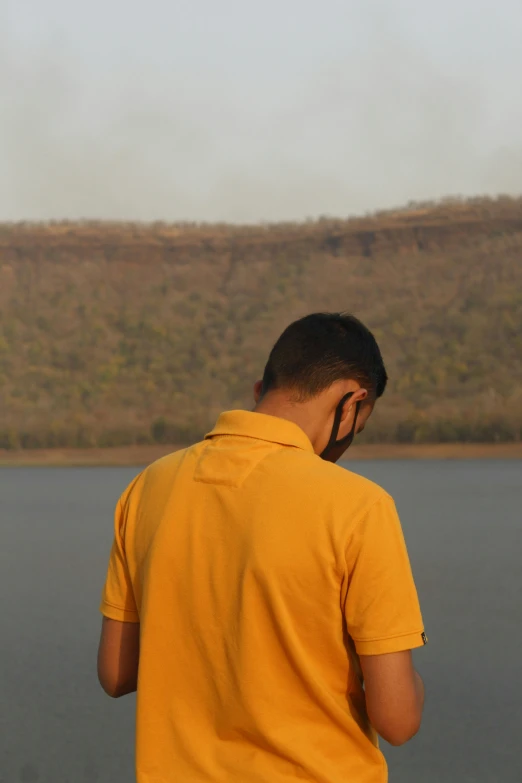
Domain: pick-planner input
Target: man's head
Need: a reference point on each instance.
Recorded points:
(316, 363)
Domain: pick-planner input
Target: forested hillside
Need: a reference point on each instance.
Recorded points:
(114, 334)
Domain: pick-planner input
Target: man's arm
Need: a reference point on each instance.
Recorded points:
(384, 621)
(394, 695)
(118, 657)
(118, 651)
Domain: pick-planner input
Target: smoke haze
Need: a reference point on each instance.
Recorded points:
(244, 112)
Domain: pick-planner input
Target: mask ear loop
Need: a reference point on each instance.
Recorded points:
(333, 442)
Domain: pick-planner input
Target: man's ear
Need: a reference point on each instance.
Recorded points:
(349, 406)
(258, 387)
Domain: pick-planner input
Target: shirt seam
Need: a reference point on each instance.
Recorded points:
(367, 510)
(388, 638)
(120, 608)
(341, 573)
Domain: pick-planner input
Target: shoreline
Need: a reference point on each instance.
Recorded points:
(140, 456)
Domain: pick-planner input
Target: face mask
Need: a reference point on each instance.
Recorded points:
(335, 448)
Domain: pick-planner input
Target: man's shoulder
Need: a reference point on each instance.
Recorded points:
(350, 481)
(336, 480)
(152, 483)
(168, 461)
(163, 467)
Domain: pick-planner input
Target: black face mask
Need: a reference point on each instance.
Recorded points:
(335, 448)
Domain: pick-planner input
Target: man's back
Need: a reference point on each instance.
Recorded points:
(255, 570)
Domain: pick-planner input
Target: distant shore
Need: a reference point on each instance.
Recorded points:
(137, 456)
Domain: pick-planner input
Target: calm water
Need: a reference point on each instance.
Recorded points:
(463, 523)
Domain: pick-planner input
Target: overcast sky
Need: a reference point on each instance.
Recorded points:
(246, 111)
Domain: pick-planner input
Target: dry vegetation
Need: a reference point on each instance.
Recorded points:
(116, 334)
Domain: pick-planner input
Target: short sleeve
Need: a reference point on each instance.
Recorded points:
(118, 601)
(381, 605)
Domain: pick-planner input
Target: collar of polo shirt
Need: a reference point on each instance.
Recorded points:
(261, 427)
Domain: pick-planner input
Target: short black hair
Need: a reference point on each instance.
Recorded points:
(321, 348)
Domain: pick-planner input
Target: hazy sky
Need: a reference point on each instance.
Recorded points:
(245, 111)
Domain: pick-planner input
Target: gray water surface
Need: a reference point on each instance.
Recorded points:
(463, 524)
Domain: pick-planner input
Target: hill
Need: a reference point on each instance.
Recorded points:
(114, 334)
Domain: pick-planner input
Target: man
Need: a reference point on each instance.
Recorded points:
(260, 597)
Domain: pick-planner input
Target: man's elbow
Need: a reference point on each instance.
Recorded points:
(116, 691)
(115, 688)
(399, 732)
(109, 686)
(400, 738)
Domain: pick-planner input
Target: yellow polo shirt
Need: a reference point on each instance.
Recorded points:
(257, 572)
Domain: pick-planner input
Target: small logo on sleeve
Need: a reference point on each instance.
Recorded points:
(424, 638)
